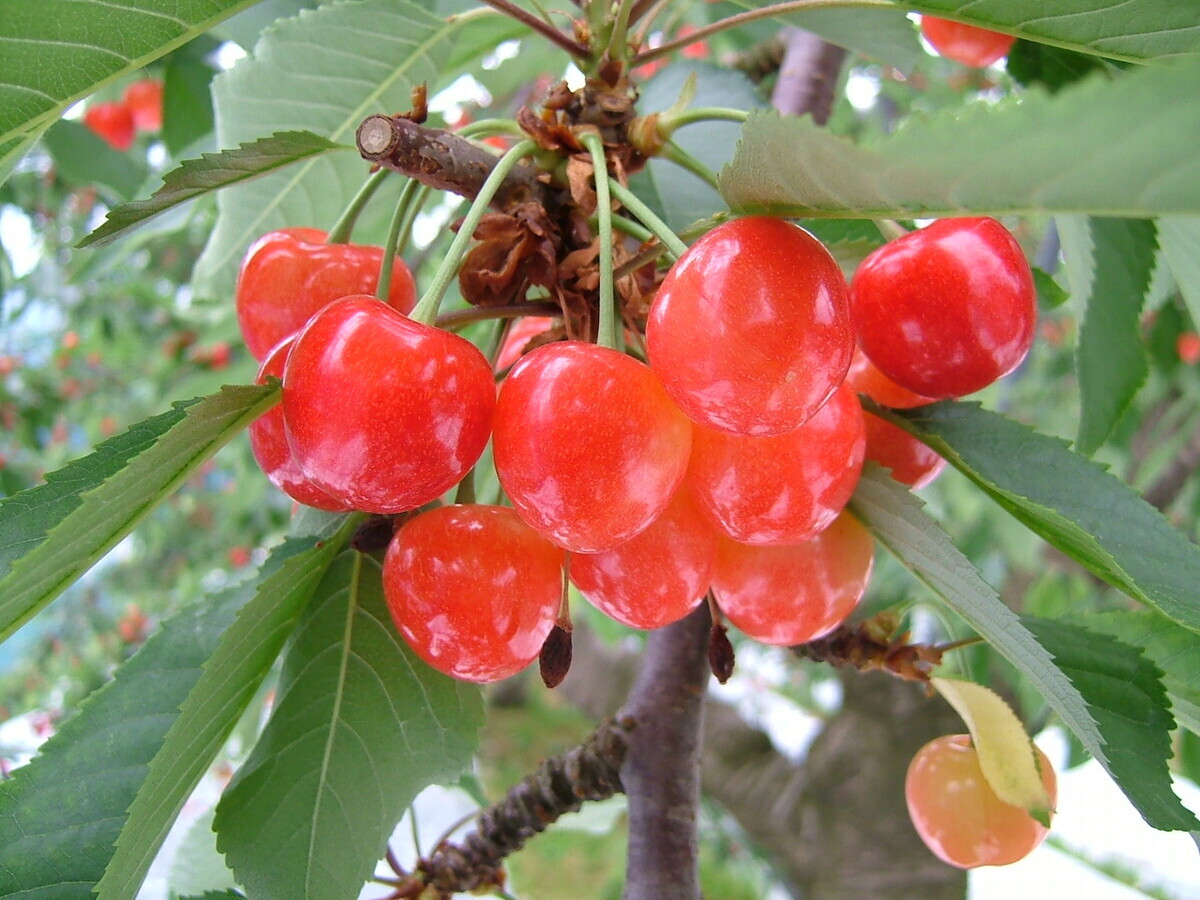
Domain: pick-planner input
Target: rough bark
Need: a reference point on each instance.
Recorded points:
(661, 773)
(834, 824)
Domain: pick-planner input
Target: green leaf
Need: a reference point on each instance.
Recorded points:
(1082, 150)
(197, 865)
(323, 71)
(1111, 361)
(54, 52)
(245, 653)
(82, 158)
(1052, 68)
(1179, 238)
(885, 35)
(53, 533)
(1049, 292)
(216, 895)
(212, 172)
(1125, 696)
(187, 100)
(12, 151)
(360, 728)
(1174, 650)
(61, 814)
(1136, 31)
(899, 522)
(1072, 502)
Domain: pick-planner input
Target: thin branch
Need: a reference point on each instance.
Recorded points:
(460, 318)
(753, 15)
(545, 29)
(808, 75)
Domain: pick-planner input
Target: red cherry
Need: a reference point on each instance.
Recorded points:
(959, 816)
(865, 378)
(1187, 345)
(782, 489)
(145, 101)
(588, 445)
(911, 462)
(288, 275)
(948, 309)
(111, 121)
(268, 443)
(473, 589)
(788, 595)
(750, 330)
(519, 334)
(383, 413)
(967, 44)
(656, 577)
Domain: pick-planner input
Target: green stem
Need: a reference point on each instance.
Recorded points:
(646, 215)
(392, 245)
(753, 15)
(626, 226)
(683, 159)
(667, 124)
(344, 226)
(890, 229)
(616, 41)
(606, 333)
(426, 310)
(647, 21)
(489, 127)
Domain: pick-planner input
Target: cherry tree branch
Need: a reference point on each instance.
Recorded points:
(808, 75)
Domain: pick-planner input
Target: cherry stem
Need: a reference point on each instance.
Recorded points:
(344, 226)
(392, 244)
(676, 154)
(959, 644)
(461, 318)
(650, 9)
(426, 310)
(490, 127)
(546, 29)
(890, 229)
(647, 217)
(753, 15)
(616, 40)
(669, 123)
(606, 332)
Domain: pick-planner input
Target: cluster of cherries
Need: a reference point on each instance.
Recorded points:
(118, 121)
(722, 464)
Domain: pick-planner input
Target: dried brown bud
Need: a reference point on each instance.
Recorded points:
(720, 653)
(555, 658)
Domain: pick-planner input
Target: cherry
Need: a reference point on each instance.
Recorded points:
(866, 378)
(111, 121)
(948, 309)
(959, 816)
(656, 577)
(967, 44)
(911, 461)
(788, 595)
(519, 335)
(288, 275)
(473, 589)
(268, 443)
(588, 446)
(145, 101)
(750, 330)
(782, 489)
(383, 413)
(1187, 346)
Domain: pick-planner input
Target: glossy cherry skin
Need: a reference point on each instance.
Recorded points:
(967, 44)
(788, 595)
(750, 330)
(959, 816)
(782, 489)
(288, 275)
(588, 446)
(268, 443)
(911, 461)
(948, 309)
(473, 590)
(113, 122)
(865, 378)
(145, 101)
(656, 577)
(383, 413)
